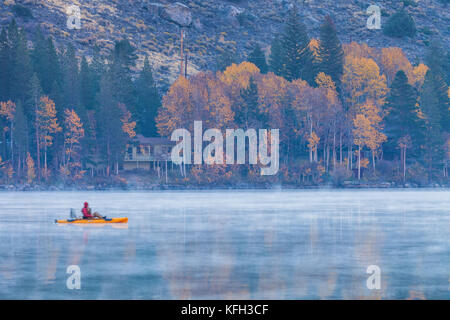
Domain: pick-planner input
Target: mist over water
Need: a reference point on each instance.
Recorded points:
(290, 244)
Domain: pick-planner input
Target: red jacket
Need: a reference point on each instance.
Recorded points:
(86, 212)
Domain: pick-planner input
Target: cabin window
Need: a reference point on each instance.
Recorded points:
(143, 150)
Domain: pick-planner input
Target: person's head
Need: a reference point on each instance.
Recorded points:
(86, 205)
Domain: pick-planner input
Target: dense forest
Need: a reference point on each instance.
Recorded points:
(347, 113)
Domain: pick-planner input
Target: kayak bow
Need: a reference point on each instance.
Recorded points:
(112, 220)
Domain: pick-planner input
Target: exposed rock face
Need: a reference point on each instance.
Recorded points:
(153, 26)
(234, 11)
(198, 25)
(178, 13)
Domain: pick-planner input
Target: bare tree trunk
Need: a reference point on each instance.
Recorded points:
(359, 162)
(334, 146)
(18, 164)
(12, 144)
(404, 164)
(38, 152)
(310, 149)
(45, 159)
(328, 157)
(373, 160)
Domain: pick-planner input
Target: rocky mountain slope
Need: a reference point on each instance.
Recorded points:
(211, 26)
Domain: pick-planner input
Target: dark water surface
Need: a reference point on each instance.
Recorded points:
(228, 245)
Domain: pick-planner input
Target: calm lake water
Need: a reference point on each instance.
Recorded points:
(228, 245)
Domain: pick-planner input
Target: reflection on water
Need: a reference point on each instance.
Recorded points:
(228, 245)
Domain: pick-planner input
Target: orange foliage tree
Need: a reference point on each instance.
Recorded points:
(393, 60)
(31, 172)
(73, 134)
(7, 110)
(368, 131)
(46, 126)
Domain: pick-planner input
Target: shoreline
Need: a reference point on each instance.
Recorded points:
(353, 186)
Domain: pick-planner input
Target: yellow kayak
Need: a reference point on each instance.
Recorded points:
(111, 220)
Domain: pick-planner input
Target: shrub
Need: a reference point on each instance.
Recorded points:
(427, 31)
(416, 173)
(339, 175)
(22, 11)
(399, 25)
(412, 3)
(388, 169)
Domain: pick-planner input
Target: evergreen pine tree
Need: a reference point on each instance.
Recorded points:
(258, 58)
(248, 115)
(436, 61)
(399, 25)
(123, 60)
(110, 137)
(21, 137)
(90, 75)
(447, 68)
(46, 62)
(331, 54)
(402, 119)
(4, 66)
(71, 82)
(429, 103)
(20, 64)
(276, 57)
(295, 52)
(224, 60)
(87, 92)
(147, 102)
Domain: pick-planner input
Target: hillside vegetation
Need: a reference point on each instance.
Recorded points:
(344, 113)
(153, 26)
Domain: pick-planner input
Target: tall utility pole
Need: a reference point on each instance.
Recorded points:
(181, 52)
(185, 65)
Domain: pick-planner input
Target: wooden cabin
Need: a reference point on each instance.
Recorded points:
(147, 153)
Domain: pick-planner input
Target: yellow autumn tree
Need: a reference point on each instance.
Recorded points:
(331, 118)
(392, 60)
(310, 107)
(202, 97)
(31, 172)
(176, 108)
(237, 76)
(73, 134)
(324, 81)
(313, 142)
(128, 126)
(273, 91)
(314, 47)
(418, 75)
(7, 111)
(367, 131)
(362, 81)
(235, 80)
(46, 127)
(360, 50)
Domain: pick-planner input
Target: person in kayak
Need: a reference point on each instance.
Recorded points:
(87, 213)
